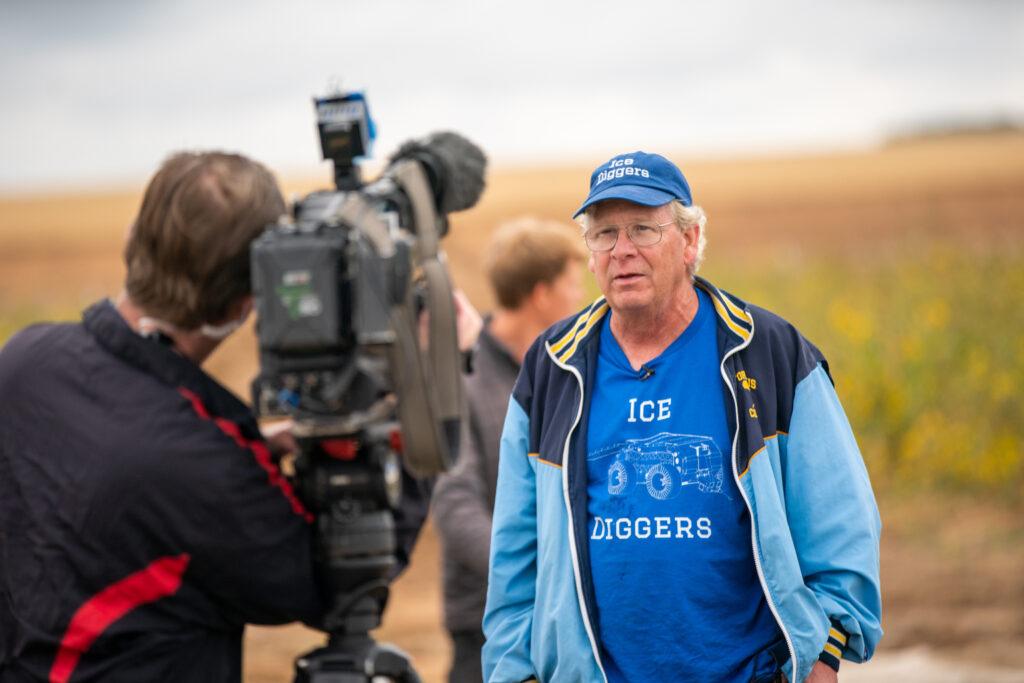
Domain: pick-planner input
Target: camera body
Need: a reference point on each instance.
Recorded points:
(323, 292)
(325, 295)
(355, 308)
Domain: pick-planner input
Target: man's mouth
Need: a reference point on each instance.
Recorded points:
(627, 278)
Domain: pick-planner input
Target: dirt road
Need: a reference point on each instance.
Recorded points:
(922, 665)
(967, 651)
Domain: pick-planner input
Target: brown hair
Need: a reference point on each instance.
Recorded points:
(526, 252)
(188, 250)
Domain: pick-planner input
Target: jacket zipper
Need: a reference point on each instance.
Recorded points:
(750, 510)
(736, 478)
(568, 510)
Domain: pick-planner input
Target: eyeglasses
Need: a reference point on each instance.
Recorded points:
(640, 234)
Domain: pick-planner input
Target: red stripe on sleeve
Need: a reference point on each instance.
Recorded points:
(158, 580)
(259, 451)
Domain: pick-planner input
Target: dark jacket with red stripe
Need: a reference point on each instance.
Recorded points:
(142, 520)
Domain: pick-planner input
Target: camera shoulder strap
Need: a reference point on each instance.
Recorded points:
(430, 448)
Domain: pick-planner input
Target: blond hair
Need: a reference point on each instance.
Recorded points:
(526, 252)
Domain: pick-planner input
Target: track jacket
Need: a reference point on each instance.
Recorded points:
(814, 522)
(143, 522)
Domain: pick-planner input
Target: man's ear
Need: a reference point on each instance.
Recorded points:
(238, 311)
(692, 239)
(538, 296)
(241, 309)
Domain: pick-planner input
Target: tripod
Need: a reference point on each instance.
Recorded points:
(354, 484)
(352, 655)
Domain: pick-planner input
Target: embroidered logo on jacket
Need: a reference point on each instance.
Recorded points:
(748, 383)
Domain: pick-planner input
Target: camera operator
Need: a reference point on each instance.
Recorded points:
(143, 518)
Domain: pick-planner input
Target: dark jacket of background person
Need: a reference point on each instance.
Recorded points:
(535, 268)
(464, 497)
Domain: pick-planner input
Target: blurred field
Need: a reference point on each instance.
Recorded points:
(905, 265)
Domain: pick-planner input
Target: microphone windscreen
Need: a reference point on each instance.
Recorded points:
(455, 165)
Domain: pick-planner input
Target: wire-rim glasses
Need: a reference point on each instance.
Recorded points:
(605, 237)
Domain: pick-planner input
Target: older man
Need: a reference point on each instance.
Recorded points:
(680, 496)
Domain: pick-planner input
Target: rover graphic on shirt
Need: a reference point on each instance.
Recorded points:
(663, 465)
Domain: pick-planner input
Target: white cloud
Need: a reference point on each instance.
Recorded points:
(102, 91)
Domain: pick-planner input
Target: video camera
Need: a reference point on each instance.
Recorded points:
(357, 339)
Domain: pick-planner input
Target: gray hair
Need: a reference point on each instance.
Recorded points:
(686, 217)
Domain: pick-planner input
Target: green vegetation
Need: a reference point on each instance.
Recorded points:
(926, 347)
(14, 317)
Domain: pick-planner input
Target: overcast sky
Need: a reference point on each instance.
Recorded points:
(99, 92)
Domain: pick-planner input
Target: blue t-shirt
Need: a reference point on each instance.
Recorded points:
(678, 596)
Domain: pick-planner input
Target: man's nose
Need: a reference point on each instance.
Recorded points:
(624, 246)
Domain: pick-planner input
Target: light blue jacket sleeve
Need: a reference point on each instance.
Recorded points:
(832, 514)
(511, 590)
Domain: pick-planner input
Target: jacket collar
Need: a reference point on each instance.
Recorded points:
(578, 331)
(732, 312)
(566, 341)
(159, 360)
(488, 345)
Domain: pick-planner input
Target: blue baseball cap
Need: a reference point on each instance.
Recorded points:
(638, 177)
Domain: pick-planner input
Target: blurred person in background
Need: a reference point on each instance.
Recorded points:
(535, 269)
(143, 518)
(680, 496)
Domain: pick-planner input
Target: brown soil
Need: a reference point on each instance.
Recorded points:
(952, 581)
